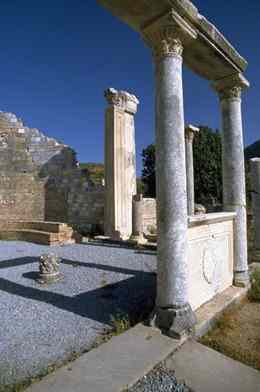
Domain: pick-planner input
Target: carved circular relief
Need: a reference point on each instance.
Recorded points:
(208, 265)
(3, 140)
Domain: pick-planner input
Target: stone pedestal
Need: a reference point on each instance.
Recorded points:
(49, 269)
(255, 183)
(190, 132)
(173, 313)
(234, 191)
(120, 163)
(138, 220)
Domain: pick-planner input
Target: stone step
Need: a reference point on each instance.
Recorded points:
(52, 227)
(38, 237)
(204, 369)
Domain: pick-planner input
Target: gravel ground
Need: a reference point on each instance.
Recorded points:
(160, 380)
(44, 325)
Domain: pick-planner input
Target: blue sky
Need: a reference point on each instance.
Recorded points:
(58, 56)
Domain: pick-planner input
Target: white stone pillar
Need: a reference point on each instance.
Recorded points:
(234, 190)
(255, 183)
(138, 220)
(173, 312)
(120, 163)
(190, 132)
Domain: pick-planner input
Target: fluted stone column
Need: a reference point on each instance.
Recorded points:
(190, 132)
(173, 312)
(255, 179)
(234, 190)
(120, 163)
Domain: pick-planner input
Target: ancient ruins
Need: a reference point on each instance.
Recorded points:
(41, 182)
(196, 257)
(43, 189)
(120, 163)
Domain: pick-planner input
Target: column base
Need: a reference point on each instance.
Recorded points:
(138, 239)
(118, 236)
(241, 279)
(175, 322)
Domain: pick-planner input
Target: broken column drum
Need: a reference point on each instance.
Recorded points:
(190, 132)
(138, 220)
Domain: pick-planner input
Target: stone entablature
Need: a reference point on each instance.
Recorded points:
(210, 55)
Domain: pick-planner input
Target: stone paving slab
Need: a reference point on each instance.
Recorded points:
(114, 366)
(204, 370)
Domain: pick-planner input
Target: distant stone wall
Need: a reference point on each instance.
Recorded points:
(40, 179)
(85, 201)
(25, 204)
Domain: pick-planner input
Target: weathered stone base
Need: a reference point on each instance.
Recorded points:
(241, 279)
(116, 236)
(175, 322)
(49, 278)
(138, 239)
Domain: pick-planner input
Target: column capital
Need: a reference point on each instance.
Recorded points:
(190, 132)
(230, 88)
(122, 99)
(168, 35)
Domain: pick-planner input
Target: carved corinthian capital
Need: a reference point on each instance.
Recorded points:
(167, 36)
(165, 43)
(122, 99)
(190, 132)
(230, 93)
(230, 88)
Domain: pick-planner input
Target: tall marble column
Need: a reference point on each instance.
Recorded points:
(173, 312)
(234, 190)
(255, 183)
(190, 132)
(120, 163)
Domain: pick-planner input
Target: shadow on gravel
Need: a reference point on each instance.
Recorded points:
(122, 245)
(133, 296)
(18, 262)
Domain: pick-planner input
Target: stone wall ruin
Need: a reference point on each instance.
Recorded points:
(40, 179)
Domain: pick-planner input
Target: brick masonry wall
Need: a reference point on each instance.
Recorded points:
(40, 180)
